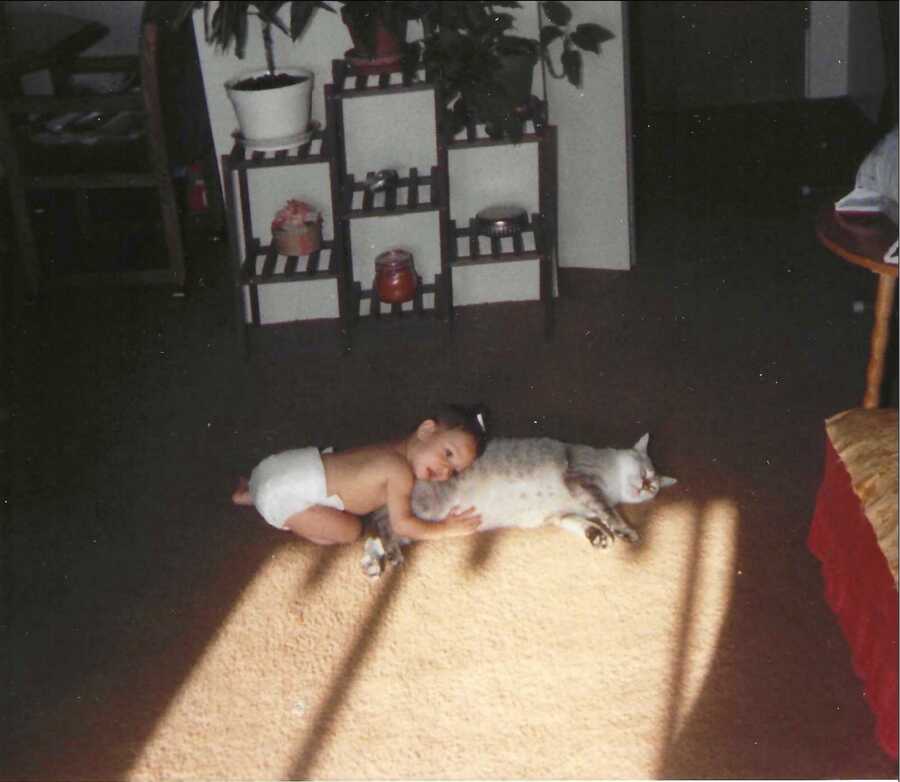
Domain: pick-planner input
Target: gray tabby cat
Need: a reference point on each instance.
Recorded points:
(529, 483)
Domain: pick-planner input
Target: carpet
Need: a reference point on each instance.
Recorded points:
(152, 628)
(512, 654)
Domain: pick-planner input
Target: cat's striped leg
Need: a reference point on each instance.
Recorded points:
(596, 533)
(381, 525)
(614, 521)
(585, 491)
(372, 562)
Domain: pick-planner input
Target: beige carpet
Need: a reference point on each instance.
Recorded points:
(508, 655)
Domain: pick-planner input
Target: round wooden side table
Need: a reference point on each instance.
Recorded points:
(863, 239)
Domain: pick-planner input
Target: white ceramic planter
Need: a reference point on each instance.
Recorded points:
(275, 118)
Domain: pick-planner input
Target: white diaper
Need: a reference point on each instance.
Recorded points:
(289, 483)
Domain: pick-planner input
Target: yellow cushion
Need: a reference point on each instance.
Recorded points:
(866, 442)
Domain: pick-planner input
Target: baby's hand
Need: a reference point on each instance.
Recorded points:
(464, 522)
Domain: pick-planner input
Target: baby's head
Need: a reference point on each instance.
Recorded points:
(448, 442)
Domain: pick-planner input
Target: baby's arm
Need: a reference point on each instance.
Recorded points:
(407, 525)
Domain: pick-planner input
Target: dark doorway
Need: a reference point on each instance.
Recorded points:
(719, 109)
(720, 53)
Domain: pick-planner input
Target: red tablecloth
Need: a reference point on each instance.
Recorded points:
(860, 590)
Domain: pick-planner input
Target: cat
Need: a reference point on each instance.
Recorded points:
(529, 483)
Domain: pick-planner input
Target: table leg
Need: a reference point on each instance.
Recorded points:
(884, 304)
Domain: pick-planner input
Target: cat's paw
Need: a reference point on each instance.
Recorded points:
(371, 567)
(372, 561)
(597, 537)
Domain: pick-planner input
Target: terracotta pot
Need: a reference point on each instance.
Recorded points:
(298, 240)
(388, 43)
(297, 228)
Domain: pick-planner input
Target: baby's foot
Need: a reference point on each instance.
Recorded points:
(241, 495)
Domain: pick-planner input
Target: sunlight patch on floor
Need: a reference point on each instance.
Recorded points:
(547, 658)
(247, 703)
(710, 537)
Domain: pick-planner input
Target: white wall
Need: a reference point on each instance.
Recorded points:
(827, 49)
(866, 65)
(845, 54)
(594, 212)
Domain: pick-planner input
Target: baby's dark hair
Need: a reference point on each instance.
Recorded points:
(470, 418)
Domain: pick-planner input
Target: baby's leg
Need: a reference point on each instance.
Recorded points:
(241, 495)
(325, 526)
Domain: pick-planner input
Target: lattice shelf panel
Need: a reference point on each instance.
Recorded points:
(471, 248)
(475, 135)
(316, 150)
(265, 266)
(349, 84)
(413, 193)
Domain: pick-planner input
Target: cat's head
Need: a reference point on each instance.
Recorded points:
(638, 479)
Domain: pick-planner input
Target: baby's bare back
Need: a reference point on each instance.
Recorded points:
(360, 476)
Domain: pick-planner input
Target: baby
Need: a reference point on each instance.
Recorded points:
(320, 497)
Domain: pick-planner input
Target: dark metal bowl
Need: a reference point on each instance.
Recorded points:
(381, 180)
(505, 220)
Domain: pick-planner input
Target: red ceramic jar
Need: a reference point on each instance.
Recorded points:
(395, 277)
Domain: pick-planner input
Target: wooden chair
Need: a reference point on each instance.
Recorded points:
(863, 240)
(86, 144)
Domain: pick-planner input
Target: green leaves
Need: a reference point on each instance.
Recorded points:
(467, 43)
(589, 36)
(300, 16)
(586, 37)
(268, 15)
(226, 26)
(558, 13)
(549, 34)
(571, 63)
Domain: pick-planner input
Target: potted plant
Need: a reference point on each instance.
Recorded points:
(272, 104)
(485, 71)
(378, 32)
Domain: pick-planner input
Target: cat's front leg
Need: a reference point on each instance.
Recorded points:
(620, 527)
(381, 522)
(591, 496)
(372, 562)
(382, 547)
(597, 535)
(614, 522)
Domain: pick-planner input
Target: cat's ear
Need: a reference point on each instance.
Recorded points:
(641, 445)
(665, 480)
